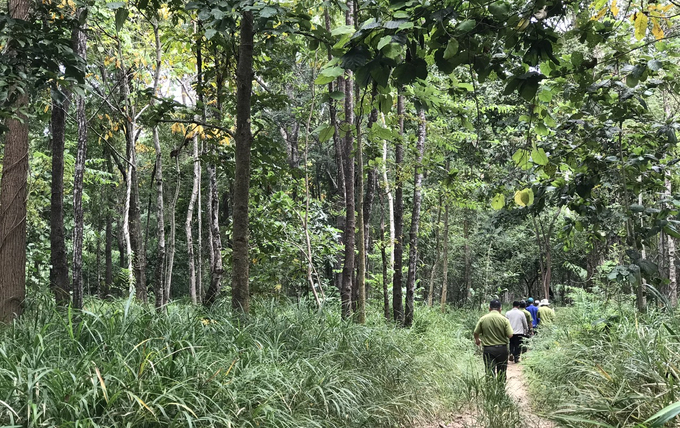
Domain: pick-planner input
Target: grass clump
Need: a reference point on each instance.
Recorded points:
(122, 364)
(606, 364)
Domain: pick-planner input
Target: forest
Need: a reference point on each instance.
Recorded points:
(292, 213)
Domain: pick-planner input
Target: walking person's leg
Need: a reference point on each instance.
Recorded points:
(502, 363)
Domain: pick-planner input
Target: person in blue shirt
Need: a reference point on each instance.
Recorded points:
(533, 310)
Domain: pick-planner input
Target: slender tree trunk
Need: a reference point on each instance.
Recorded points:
(397, 294)
(361, 268)
(13, 192)
(415, 222)
(436, 252)
(670, 256)
(240, 298)
(108, 257)
(59, 282)
(173, 230)
(385, 269)
(445, 256)
(350, 223)
(188, 224)
(80, 47)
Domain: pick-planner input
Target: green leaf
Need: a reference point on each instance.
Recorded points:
(326, 133)
(342, 30)
(268, 12)
(336, 95)
(576, 59)
(115, 5)
(664, 415)
(528, 89)
(636, 208)
(384, 41)
(521, 158)
(498, 201)
(539, 157)
(210, 33)
(451, 49)
(466, 26)
(328, 75)
(121, 16)
(499, 9)
(655, 65)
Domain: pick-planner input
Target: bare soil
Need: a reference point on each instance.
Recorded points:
(516, 388)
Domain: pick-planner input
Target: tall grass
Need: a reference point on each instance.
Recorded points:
(122, 364)
(606, 364)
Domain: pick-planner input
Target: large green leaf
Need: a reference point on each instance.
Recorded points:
(539, 157)
(327, 75)
(498, 201)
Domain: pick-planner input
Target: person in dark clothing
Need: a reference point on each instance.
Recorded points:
(492, 332)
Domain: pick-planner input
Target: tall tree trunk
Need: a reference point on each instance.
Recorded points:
(159, 273)
(415, 222)
(80, 47)
(670, 256)
(216, 267)
(59, 282)
(173, 230)
(13, 192)
(436, 251)
(445, 256)
(348, 267)
(397, 294)
(468, 270)
(108, 257)
(385, 269)
(240, 297)
(188, 224)
(361, 268)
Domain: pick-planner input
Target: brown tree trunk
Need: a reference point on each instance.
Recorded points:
(13, 192)
(361, 256)
(397, 294)
(468, 268)
(415, 222)
(159, 273)
(59, 282)
(108, 257)
(436, 252)
(350, 223)
(445, 256)
(80, 47)
(240, 297)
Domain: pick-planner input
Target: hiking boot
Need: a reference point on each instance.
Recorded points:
(511, 357)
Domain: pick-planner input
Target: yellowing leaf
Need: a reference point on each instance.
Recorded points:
(599, 15)
(498, 201)
(614, 8)
(641, 21)
(657, 30)
(524, 197)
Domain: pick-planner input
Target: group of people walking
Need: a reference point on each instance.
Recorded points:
(494, 332)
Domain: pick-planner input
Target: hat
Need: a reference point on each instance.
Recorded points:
(530, 300)
(544, 302)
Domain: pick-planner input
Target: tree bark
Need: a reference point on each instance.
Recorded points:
(59, 282)
(108, 257)
(173, 230)
(159, 274)
(188, 224)
(397, 294)
(445, 256)
(361, 268)
(13, 192)
(385, 269)
(350, 222)
(80, 47)
(468, 270)
(670, 256)
(415, 222)
(240, 298)
(436, 252)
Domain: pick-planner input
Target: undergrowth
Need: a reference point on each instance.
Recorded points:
(604, 364)
(122, 364)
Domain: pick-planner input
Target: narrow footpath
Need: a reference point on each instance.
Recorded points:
(517, 390)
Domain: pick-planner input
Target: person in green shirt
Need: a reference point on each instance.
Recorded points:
(493, 332)
(546, 315)
(523, 308)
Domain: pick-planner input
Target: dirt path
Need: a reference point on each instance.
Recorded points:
(517, 390)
